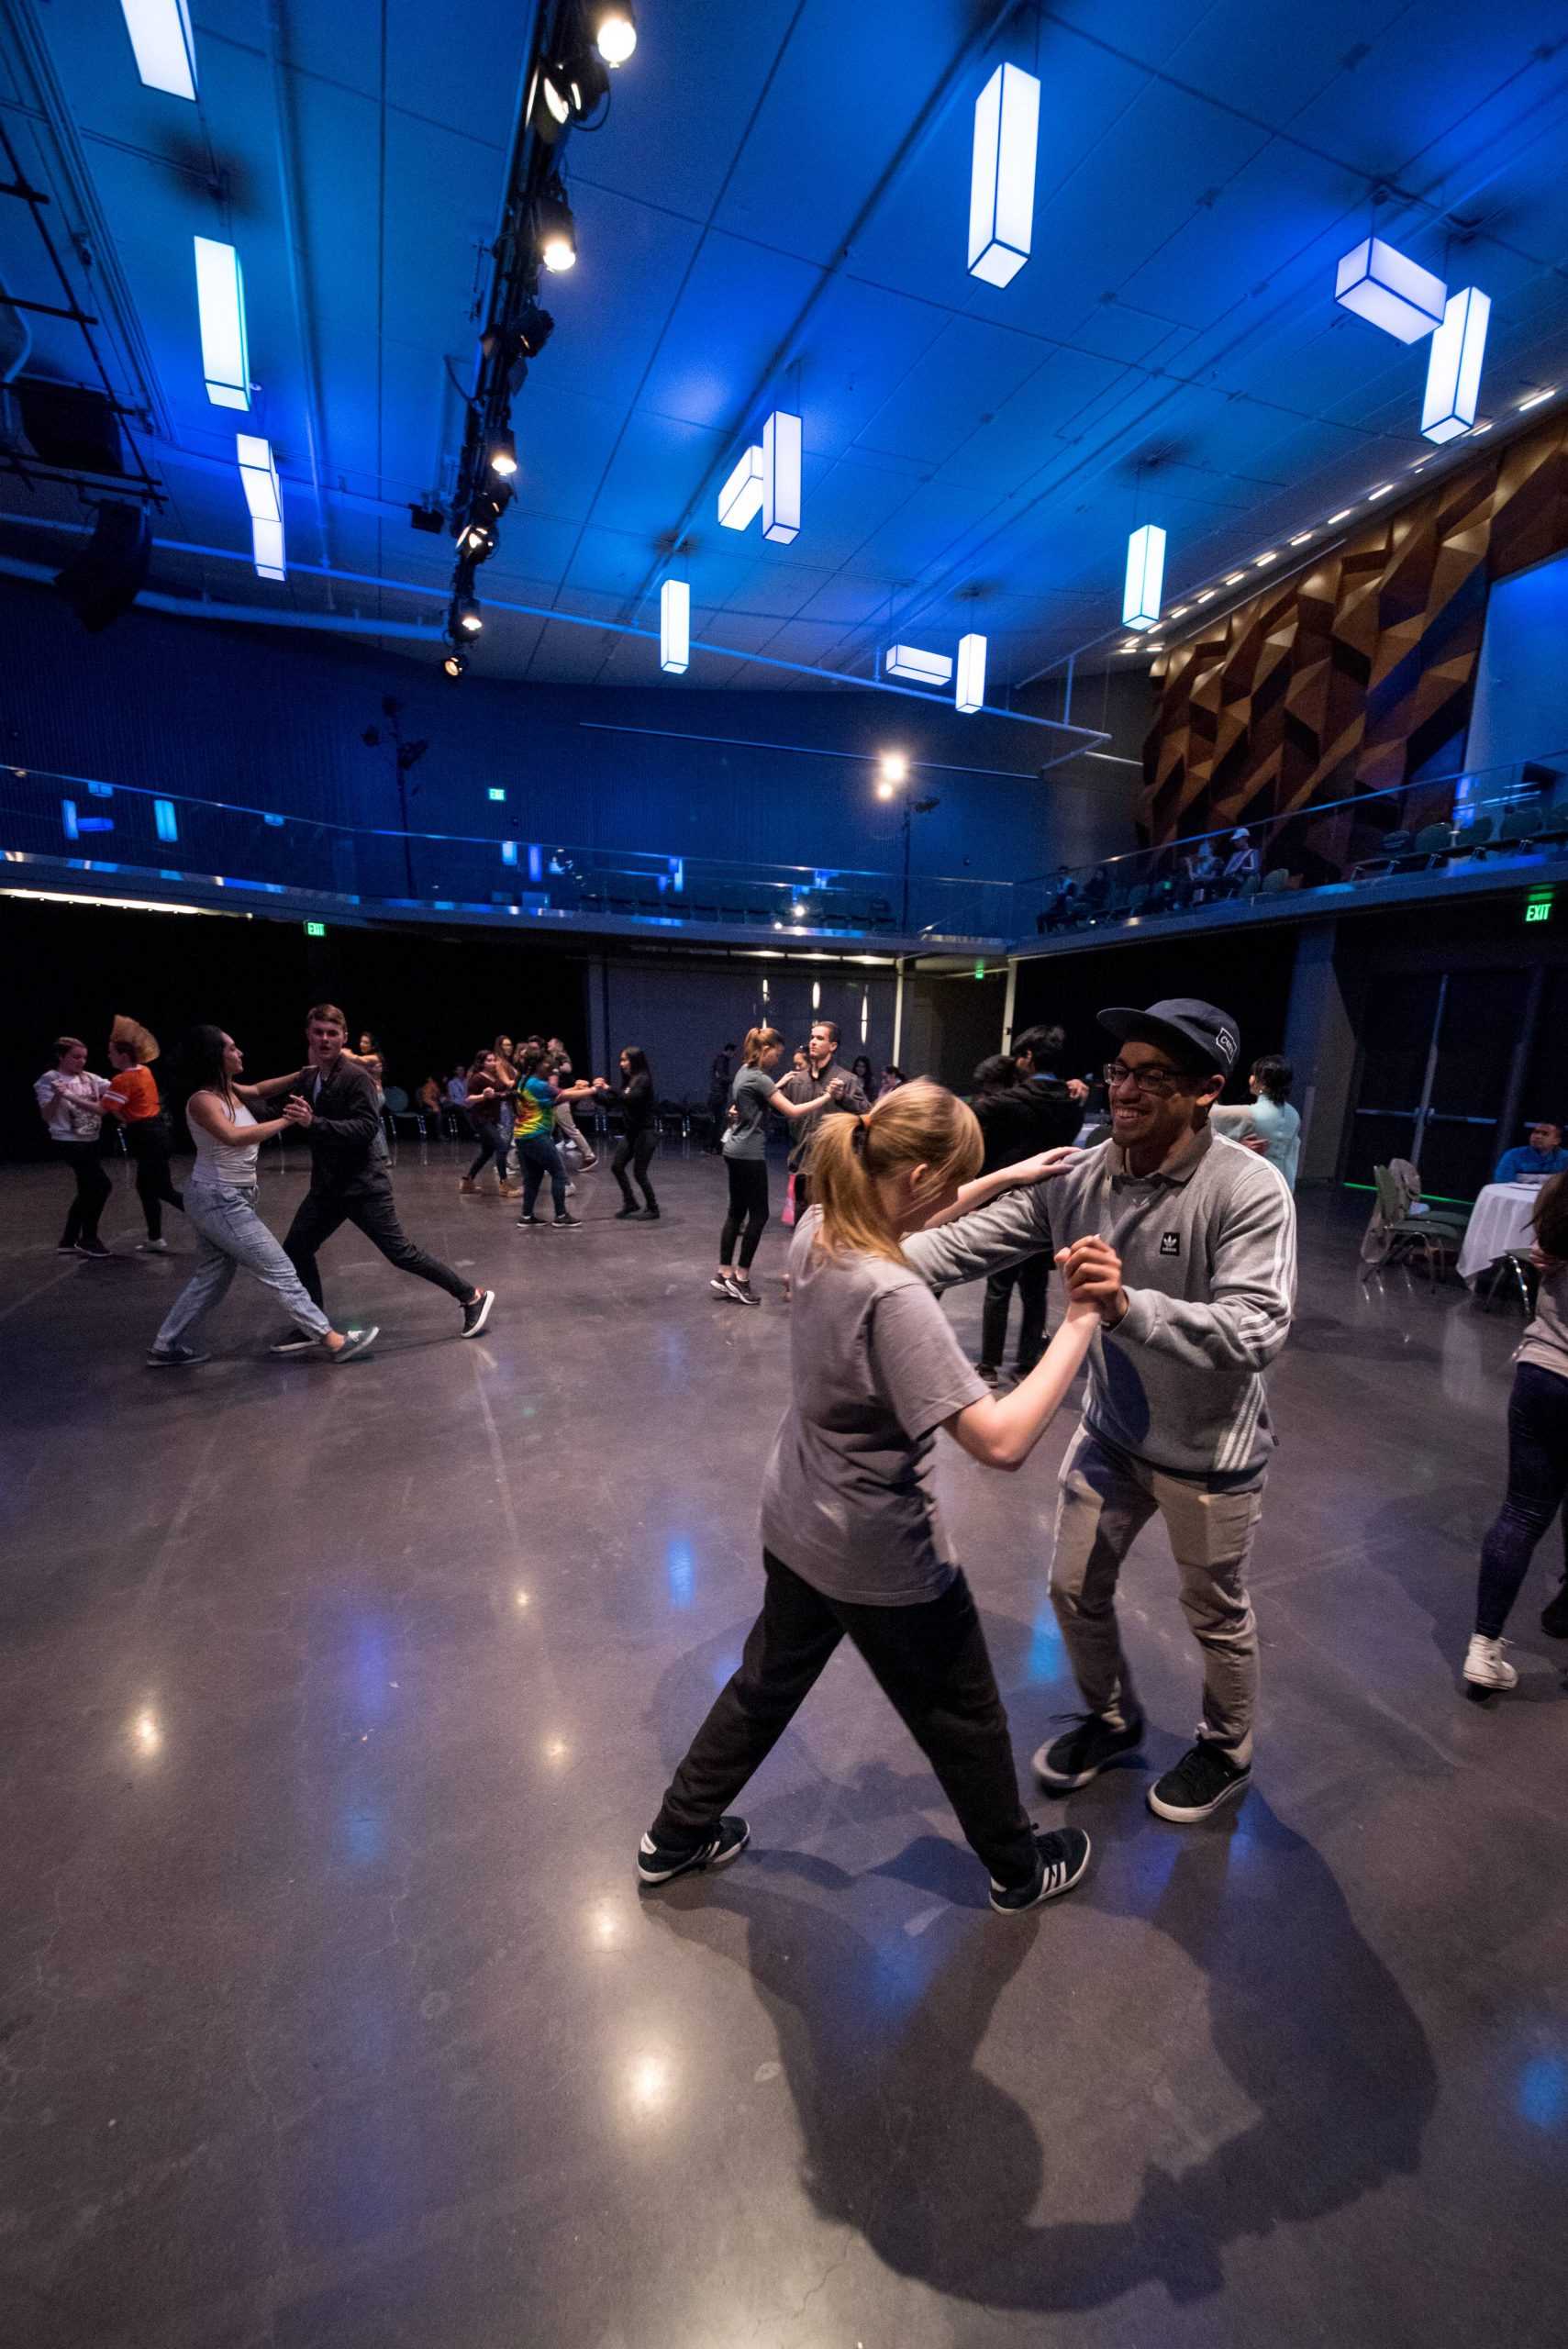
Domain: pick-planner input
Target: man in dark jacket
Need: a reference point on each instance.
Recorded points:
(1019, 1118)
(349, 1182)
(825, 1080)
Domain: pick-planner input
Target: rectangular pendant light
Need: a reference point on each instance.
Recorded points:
(741, 499)
(1454, 366)
(220, 304)
(917, 668)
(1380, 284)
(781, 477)
(1001, 179)
(675, 627)
(258, 476)
(1145, 577)
(267, 548)
(162, 44)
(970, 694)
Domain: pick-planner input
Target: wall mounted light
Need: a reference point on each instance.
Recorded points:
(1001, 179)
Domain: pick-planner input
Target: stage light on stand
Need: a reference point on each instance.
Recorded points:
(1145, 577)
(1453, 367)
(616, 32)
(220, 309)
(503, 454)
(1382, 286)
(1001, 176)
(555, 231)
(467, 617)
(894, 768)
(675, 627)
(454, 661)
(970, 694)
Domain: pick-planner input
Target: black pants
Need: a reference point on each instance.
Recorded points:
(92, 1191)
(539, 1156)
(491, 1146)
(154, 1186)
(748, 1206)
(1030, 1279)
(373, 1212)
(930, 1663)
(634, 1150)
(1538, 1490)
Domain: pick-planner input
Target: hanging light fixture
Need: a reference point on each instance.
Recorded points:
(616, 31)
(675, 627)
(503, 454)
(915, 666)
(454, 661)
(971, 691)
(1001, 179)
(781, 477)
(221, 308)
(1145, 577)
(555, 231)
(1454, 366)
(1392, 292)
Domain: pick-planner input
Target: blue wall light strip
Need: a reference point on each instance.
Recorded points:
(165, 820)
(69, 823)
(1454, 366)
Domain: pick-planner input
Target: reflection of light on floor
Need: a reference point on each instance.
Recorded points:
(604, 1926)
(148, 1735)
(555, 1749)
(1543, 2091)
(679, 1568)
(522, 1598)
(1045, 1647)
(648, 2083)
(724, 1668)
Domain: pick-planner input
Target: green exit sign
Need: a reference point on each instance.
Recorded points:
(316, 929)
(1539, 909)
(497, 794)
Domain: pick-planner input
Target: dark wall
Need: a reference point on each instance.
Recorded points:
(1248, 975)
(430, 1000)
(274, 721)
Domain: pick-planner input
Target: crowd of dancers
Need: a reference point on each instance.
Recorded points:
(1169, 1219)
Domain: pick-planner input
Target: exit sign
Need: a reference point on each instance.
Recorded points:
(497, 794)
(1539, 909)
(316, 929)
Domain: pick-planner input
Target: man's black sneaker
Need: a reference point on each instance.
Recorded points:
(97, 1249)
(657, 1862)
(1061, 1858)
(1203, 1779)
(66, 1248)
(1554, 1616)
(564, 1222)
(175, 1357)
(524, 1221)
(355, 1342)
(989, 1372)
(476, 1313)
(649, 1215)
(623, 1215)
(296, 1342)
(1072, 1760)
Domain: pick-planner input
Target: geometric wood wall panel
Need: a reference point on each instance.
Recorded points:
(1356, 672)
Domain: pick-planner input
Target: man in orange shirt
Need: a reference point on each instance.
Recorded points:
(132, 1096)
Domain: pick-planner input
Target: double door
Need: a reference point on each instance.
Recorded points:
(1441, 1065)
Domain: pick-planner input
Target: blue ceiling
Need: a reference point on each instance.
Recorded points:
(775, 211)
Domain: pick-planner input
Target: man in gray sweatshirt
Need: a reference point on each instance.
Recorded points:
(1175, 1417)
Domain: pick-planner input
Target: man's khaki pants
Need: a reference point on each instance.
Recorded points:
(1107, 1499)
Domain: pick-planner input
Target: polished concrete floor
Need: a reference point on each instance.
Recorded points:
(334, 1702)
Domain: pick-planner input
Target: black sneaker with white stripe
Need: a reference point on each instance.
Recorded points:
(725, 1841)
(1062, 1858)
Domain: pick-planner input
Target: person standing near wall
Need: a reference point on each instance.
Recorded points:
(754, 1092)
(68, 1095)
(132, 1096)
(1538, 1460)
(640, 1139)
(348, 1182)
(1175, 1417)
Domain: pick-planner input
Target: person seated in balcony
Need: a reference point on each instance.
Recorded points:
(1204, 872)
(1097, 892)
(1061, 902)
(1543, 1154)
(1242, 865)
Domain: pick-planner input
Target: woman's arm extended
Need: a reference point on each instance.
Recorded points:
(1003, 1429)
(987, 1187)
(213, 1118)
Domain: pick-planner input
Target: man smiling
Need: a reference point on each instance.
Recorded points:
(1175, 1416)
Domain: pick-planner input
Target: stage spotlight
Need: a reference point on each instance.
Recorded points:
(895, 768)
(454, 661)
(554, 229)
(567, 88)
(467, 617)
(534, 331)
(885, 790)
(503, 454)
(616, 31)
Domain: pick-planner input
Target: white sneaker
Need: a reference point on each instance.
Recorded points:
(153, 1247)
(1485, 1665)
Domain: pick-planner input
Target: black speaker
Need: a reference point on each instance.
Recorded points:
(110, 572)
(71, 426)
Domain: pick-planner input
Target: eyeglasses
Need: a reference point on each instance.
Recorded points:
(1155, 1079)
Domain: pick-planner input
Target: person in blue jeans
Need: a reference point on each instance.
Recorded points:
(1542, 1154)
(1538, 1460)
(534, 1134)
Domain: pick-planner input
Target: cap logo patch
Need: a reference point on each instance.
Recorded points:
(1226, 1041)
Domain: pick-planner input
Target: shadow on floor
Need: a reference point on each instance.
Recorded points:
(938, 2167)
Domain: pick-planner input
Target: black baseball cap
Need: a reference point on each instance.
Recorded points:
(1197, 1034)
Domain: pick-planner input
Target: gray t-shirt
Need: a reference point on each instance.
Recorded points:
(748, 1138)
(849, 1500)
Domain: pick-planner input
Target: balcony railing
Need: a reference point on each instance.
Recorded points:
(135, 837)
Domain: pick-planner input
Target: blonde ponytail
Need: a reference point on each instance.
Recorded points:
(922, 1124)
(758, 1042)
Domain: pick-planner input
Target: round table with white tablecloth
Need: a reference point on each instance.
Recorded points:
(1499, 1226)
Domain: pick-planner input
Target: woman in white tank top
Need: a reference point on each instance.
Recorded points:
(220, 1202)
